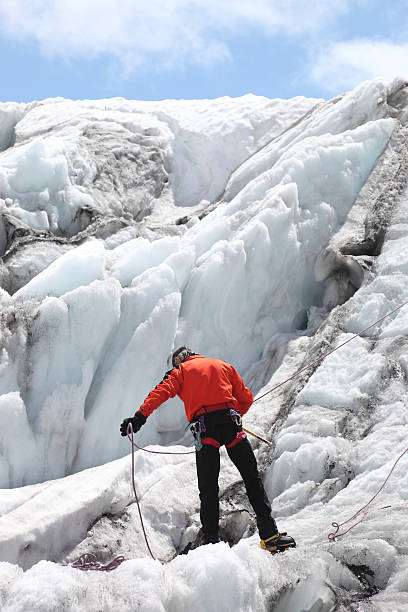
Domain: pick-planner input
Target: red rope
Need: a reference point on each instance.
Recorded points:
(334, 535)
(129, 432)
(88, 561)
(146, 450)
(312, 363)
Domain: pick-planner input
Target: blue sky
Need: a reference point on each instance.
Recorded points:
(156, 49)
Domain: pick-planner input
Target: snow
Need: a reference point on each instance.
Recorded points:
(270, 268)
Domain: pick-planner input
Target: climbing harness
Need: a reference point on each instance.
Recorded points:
(87, 561)
(335, 535)
(223, 414)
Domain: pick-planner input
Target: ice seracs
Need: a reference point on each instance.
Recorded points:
(253, 230)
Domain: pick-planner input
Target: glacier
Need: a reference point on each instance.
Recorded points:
(264, 232)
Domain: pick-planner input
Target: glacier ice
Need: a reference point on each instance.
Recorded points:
(262, 243)
(265, 232)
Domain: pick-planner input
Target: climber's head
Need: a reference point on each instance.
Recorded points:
(180, 355)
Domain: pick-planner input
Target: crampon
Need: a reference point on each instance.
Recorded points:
(278, 543)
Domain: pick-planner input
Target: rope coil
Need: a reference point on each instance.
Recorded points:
(88, 561)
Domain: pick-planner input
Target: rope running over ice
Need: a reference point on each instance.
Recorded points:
(312, 363)
(134, 445)
(334, 535)
(87, 561)
(130, 436)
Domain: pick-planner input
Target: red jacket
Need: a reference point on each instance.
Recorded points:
(200, 381)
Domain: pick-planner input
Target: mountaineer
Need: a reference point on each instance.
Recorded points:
(215, 398)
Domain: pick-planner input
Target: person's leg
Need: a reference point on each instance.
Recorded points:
(208, 469)
(242, 455)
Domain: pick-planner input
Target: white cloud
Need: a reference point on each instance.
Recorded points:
(345, 64)
(166, 33)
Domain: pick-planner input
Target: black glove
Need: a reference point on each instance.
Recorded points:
(137, 421)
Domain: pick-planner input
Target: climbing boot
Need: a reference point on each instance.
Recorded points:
(211, 538)
(278, 543)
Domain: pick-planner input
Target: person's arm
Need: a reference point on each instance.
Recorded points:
(168, 387)
(241, 393)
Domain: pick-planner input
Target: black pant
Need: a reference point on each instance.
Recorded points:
(208, 469)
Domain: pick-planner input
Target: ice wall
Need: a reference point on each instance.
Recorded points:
(260, 276)
(93, 327)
